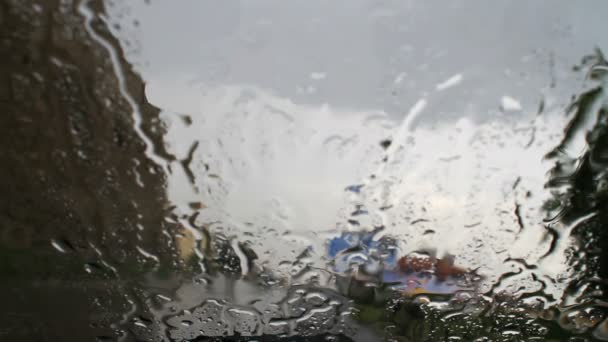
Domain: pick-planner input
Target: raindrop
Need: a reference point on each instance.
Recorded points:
(509, 104)
(62, 245)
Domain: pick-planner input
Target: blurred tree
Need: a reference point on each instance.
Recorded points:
(77, 192)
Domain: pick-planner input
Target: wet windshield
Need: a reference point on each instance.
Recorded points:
(304, 170)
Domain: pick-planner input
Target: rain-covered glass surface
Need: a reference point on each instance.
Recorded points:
(304, 170)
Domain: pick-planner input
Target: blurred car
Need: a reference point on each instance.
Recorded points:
(369, 269)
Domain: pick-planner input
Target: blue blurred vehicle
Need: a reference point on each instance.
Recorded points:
(368, 268)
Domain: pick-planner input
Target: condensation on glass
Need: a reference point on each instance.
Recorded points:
(246, 170)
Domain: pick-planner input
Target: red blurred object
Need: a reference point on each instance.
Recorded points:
(442, 268)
